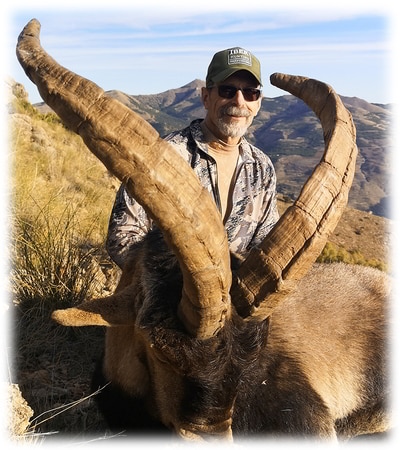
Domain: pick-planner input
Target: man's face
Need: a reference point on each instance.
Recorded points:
(231, 117)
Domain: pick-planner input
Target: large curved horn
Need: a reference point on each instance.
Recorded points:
(155, 174)
(298, 238)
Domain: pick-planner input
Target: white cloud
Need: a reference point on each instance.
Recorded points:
(109, 40)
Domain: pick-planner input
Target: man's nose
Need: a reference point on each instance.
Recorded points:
(238, 99)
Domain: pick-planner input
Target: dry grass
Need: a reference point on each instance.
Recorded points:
(52, 165)
(61, 197)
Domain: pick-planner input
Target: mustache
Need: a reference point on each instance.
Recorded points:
(235, 111)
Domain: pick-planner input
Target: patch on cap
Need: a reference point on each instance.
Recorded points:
(239, 56)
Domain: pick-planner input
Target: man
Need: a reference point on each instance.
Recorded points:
(239, 176)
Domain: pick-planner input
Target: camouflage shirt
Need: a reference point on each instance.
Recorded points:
(254, 211)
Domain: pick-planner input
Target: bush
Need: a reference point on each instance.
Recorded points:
(53, 260)
(334, 253)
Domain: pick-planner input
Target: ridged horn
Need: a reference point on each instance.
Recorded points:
(155, 174)
(271, 271)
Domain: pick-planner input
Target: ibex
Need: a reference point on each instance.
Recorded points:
(201, 343)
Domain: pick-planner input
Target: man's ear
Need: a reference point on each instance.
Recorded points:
(205, 96)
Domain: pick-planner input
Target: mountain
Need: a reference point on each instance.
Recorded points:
(289, 132)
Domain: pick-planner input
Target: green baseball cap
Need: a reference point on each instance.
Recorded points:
(227, 62)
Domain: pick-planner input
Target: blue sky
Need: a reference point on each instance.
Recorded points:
(160, 45)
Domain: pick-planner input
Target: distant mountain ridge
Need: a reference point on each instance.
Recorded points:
(289, 132)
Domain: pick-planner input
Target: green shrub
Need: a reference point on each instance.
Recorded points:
(334, 253)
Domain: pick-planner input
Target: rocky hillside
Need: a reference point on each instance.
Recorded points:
(288, 131)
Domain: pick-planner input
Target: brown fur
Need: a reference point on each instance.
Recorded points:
(316, 367)
(336, 325)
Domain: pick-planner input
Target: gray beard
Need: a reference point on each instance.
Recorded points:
(230, 129)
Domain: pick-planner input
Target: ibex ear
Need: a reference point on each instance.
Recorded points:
(76, 317)
(117, 309)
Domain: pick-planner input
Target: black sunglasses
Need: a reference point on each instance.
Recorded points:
(249, 94)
